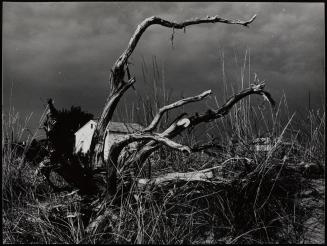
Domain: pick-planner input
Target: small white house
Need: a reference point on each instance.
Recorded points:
(117, 131)
(84, 135)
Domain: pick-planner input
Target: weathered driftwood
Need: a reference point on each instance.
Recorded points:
(174, 105)
(211, 175)
(147, 140)
(118, 86)
(202, 175)
(180, 125)
(117, 83)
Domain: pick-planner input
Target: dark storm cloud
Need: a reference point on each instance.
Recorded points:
(65, 50)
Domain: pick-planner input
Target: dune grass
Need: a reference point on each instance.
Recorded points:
(263, 203)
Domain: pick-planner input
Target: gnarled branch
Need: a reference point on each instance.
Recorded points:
(110, 106)
(179, 126)
(177, 104)
(224, 109)
(181, 25)
(159, 139)
(156, 138)
(116, 81)
(211, 175)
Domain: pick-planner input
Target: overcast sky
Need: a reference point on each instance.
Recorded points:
(65, 50)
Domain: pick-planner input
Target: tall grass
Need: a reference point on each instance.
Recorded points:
(262, 204)
(12, 154)
(266, 208)
(28, 203)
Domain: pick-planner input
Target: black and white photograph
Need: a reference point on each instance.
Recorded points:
(163, 122)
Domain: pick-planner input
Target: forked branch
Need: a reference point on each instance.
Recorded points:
(177, 104)
(160, 139)
(117, 148)
(117, 82)
(122, 60)
(215, 114)
(179, 126)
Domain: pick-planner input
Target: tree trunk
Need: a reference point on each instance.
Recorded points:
(147, 140)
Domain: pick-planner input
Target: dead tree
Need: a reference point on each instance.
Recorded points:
(148, 140)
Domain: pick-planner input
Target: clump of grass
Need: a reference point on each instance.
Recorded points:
(257, 206)
(262, 203)
(28, 202)
(14, 185)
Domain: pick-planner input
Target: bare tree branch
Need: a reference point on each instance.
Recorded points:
(111, 102)
(116, 82)
(211, 175)
(110, 106)
(118, 86)
(170, 24)
(179, 126)
(177, 104)
(156, 138)
(160, 139)
(202, 175)
(224, 109)
(210, 115)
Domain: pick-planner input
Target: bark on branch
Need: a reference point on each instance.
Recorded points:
(110, 106)
(187, 122)
(224, 109)
(116, 82)
(177, 104)
(170, 24)
(118, 147)
(157, 138)
(112, 102)
(206, 175)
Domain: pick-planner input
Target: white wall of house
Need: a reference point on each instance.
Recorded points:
(83, 137)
